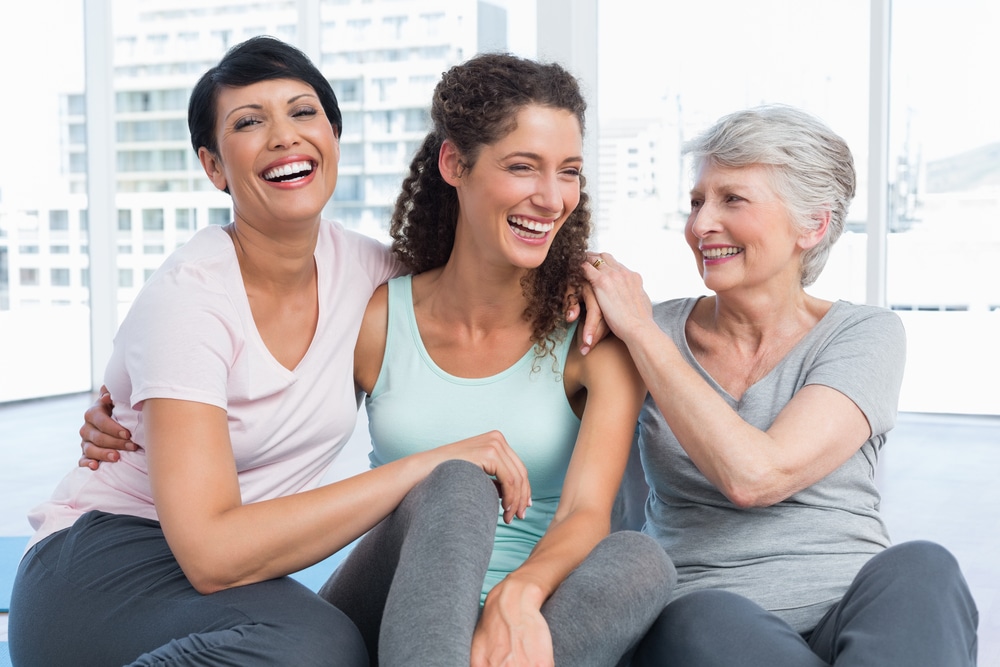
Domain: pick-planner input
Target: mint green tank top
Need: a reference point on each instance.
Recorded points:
(415, 406)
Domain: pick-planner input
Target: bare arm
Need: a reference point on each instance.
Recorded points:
(512, 626)
(814, 434)
(221, 542)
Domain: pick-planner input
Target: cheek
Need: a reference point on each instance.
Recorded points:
(571, 197)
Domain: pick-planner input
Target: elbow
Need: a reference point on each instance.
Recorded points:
(744, 498)
(209, 577)
(753, 493)
(204, 582)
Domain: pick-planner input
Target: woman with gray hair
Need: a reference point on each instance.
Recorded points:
(766, 413)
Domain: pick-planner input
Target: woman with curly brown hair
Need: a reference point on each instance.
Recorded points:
(493, 222)
(471, 358)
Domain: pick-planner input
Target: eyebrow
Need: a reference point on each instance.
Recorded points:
(726, 187)
(536, 156)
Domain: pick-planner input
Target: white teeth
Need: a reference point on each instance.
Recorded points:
(288, 170)
(532, 225)
(716, 253)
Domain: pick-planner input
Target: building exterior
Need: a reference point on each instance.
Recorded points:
(383, 59)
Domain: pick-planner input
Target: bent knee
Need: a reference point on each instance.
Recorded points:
(921, 558)
(642, 554)
(455, 491)
(685, 615)
(464, 478)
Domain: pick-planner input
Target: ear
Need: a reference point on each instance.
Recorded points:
(212, 165)
(812, 237)
(450, 163)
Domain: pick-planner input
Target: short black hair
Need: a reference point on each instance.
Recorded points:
(257, 59)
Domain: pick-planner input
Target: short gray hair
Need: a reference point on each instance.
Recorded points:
(811, 167)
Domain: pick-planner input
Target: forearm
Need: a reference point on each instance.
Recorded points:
(741, 460)
(258, 541)
(565, 545)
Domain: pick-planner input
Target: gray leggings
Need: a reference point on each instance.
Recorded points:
(909, 605)
(412, 585)
(107, 591)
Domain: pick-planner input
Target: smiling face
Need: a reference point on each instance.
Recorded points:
(277, 152)
(741, 232)
(517, 195)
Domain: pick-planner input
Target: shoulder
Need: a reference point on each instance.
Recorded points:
(864, 320)
(372, 254)
(202, 271)
(607, 364)
(674, 308)
(671, 315)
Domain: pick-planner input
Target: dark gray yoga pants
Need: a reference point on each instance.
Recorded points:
(412, 585)
(107, 591)
(909, 605)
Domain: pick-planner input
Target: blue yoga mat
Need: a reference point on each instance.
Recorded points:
(4, 655)
(11, 549)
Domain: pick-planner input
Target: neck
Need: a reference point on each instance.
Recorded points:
(480, 297)
(279, 261)
(757, 317)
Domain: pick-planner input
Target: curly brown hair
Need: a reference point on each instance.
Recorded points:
(476, 104)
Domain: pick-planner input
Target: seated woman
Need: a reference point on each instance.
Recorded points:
(474, 349)
(493, 223)
(767, 412)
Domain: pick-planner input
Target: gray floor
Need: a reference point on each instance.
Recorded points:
(939, 477)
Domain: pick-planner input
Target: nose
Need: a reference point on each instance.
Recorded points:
(548, 193)
(703, 220)
(283, 134)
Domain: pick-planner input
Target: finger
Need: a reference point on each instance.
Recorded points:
(514, 486)
(97, 454)
(600, 331)
(89, 435)
(523, 501)
(594, 320)
(590, 272)
(520, 484)
(572, 307)
(100, 428)
(84, 462)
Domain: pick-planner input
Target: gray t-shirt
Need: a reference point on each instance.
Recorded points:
(796, 557)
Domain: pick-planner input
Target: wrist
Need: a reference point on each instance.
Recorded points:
(641, 332)
(518, 590)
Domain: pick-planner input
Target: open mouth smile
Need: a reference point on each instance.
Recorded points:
(292, 171)
(530, 229)
(720, 253)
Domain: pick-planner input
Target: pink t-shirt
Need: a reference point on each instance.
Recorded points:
(190, 335)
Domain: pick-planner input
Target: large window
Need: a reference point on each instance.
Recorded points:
(944, 251)
(660, 81)
(44, 328)
(661, 78)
